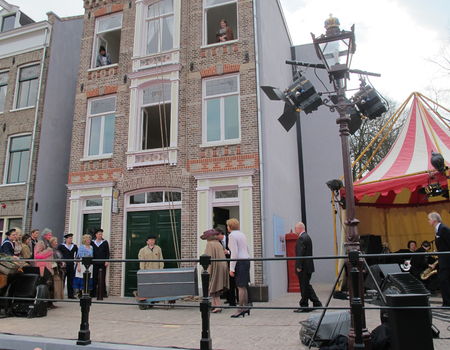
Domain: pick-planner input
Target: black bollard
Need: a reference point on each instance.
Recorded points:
(205, 305)
(353, 257)
(100, 285)
(84, 335)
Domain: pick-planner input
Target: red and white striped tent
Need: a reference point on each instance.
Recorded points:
(388, 199)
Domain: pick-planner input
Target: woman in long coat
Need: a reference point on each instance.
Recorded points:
(43, 250)
(218, 270)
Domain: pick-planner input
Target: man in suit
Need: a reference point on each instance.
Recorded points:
(443, 245)
(69, 251)
(101, 251)
(231, 293)
(304, 269)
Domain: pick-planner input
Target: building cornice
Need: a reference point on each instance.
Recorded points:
(89, 185)
(224, 174)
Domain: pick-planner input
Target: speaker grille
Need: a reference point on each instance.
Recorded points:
(405, 282)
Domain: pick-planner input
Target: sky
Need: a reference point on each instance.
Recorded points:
(396, 38)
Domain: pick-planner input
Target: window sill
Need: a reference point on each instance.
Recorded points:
(14, 184)
(21, 109)
(220, 44)
(88, 159)
(150, 55)
(103, 67)
(220, 144)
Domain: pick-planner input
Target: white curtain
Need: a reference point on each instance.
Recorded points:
(109, 23)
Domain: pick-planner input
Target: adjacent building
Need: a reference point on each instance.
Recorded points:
(171, 135)
(38, 70)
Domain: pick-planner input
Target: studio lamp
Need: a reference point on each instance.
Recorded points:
(335, 49)
(437, 161)
(300, 95)
(369, 102)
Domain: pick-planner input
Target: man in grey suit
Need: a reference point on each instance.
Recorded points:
(304, 269)
(443, 245)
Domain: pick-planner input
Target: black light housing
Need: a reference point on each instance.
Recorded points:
(369, 102)
(437, 161)
(300, 95)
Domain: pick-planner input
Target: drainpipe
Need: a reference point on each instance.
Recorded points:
(33, 139)
(258, 102)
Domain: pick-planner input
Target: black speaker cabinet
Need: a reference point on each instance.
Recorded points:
(409, 328)
(371, 244)
(380, 272)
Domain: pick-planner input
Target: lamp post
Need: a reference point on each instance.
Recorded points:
(335, 49)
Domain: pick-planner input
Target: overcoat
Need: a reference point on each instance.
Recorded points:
(218, 270)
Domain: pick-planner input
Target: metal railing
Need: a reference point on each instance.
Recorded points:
(356, 306)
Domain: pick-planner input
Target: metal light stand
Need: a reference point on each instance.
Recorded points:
(356, 303)
(205, 305)
(84, 335)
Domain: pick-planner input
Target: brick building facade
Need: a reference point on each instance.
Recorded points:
(167, 136)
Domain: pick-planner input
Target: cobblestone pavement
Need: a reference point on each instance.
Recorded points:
(180, 327)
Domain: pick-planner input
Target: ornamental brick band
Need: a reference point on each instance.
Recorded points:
(248, 161)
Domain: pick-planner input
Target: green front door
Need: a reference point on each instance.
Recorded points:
(139, 226)
(91, 222)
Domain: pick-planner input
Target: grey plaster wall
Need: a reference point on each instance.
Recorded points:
(322, 157)
(281, 188)
(54, 150)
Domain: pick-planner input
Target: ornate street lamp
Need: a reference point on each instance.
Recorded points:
(335, 49)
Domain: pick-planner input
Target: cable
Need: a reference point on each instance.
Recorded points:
(315, 72)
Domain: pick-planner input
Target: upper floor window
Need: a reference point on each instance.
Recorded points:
(3, 89)
(8, 22)
(155, 197)
(221, 109)
(160, 26)
(100, 126)
(28, 86)
(220, 20)
(18, 158)
(156, 116)
(108, 31)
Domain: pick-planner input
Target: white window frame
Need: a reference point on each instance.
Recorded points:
(6, 85)
(148, 20)
(98, 35)
(222, 140)
(102, 128)
(205, 22)
(6, 220)
(8, 158)
(142, 107)
(153, 206)
(17, 90)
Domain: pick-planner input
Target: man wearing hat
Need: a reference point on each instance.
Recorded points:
(69, 251)
(8, 245)
(151, 252)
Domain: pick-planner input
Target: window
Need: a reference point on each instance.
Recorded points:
(3, 89)
(7, 223)
(155, 197)
(107, 34)
(100, 126)
(214, 12)
(156, 113)
(221, 109)
(97, 202)
(226, 194)
(160, 26)
(19, 155)
(28, 86)
(8, 22)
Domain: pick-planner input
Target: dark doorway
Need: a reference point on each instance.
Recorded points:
(91, 222)
(139, 225)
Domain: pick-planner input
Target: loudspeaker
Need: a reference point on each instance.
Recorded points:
(403, 283)
(409, 328)
(380, 272)
(371, 244)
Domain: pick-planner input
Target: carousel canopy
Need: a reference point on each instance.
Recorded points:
(401, 177)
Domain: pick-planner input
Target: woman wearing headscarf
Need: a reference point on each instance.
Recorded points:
(43, 250)
(84, 250)
(58, 271)
(239, 269)
(218, 270)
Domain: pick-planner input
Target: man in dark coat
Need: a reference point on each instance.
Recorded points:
(443, 245)
(231, 293)
(69, 251)
(101, 251)
(304, 269)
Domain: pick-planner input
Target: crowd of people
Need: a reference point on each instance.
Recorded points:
(60, 274)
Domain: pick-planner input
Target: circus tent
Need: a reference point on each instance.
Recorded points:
(391, 200)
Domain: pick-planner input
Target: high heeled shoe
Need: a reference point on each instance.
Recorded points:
(247, 311)
(216, 311)
(239, 314)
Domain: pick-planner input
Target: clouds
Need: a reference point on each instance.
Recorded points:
(37, 9)
(391, 38)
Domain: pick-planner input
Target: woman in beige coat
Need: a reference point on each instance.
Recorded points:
(218, 270)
